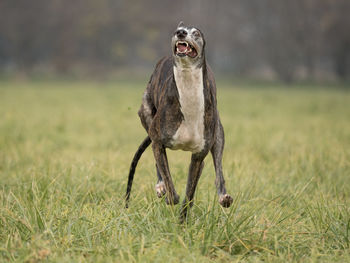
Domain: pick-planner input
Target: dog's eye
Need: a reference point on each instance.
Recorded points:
(196, 33)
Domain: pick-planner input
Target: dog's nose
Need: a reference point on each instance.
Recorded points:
(181, 33)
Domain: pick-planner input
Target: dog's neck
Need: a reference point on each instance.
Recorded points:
(188, 63)
(189, 82)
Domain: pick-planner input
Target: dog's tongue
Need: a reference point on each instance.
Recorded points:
(181, 47)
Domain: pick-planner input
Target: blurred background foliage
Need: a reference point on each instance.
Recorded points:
(263, 39)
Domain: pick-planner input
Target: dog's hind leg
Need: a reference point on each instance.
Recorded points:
(163, 168)
(160, 186)
(194, 174)
(224, 199)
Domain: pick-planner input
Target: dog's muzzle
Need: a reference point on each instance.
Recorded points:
(184, 48)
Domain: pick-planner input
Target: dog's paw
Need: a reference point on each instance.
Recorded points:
(225, 200)
(175, 201)
(160, 189)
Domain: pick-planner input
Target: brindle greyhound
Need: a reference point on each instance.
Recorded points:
(179, 111)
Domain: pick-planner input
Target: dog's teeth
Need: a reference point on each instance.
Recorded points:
(179, 51)
(182, 42)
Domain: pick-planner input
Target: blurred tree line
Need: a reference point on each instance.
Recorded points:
(286, 40)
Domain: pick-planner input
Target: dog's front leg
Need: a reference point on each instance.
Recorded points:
(160, 186)
(194, 174)
(163, 168)
(224, 199)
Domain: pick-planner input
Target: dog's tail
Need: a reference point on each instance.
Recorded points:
(143, 146)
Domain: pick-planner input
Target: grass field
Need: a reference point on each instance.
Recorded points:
(65, 150)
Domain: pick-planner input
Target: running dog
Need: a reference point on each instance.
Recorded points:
(179, 111)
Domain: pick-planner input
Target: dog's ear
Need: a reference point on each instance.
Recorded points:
(181, 24)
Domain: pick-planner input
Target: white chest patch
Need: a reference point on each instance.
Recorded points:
(190, 134)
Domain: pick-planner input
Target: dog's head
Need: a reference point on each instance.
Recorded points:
(188, 46)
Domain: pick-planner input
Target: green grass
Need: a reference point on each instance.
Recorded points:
(65, 150)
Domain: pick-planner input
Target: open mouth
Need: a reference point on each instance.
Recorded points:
(183, 48)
